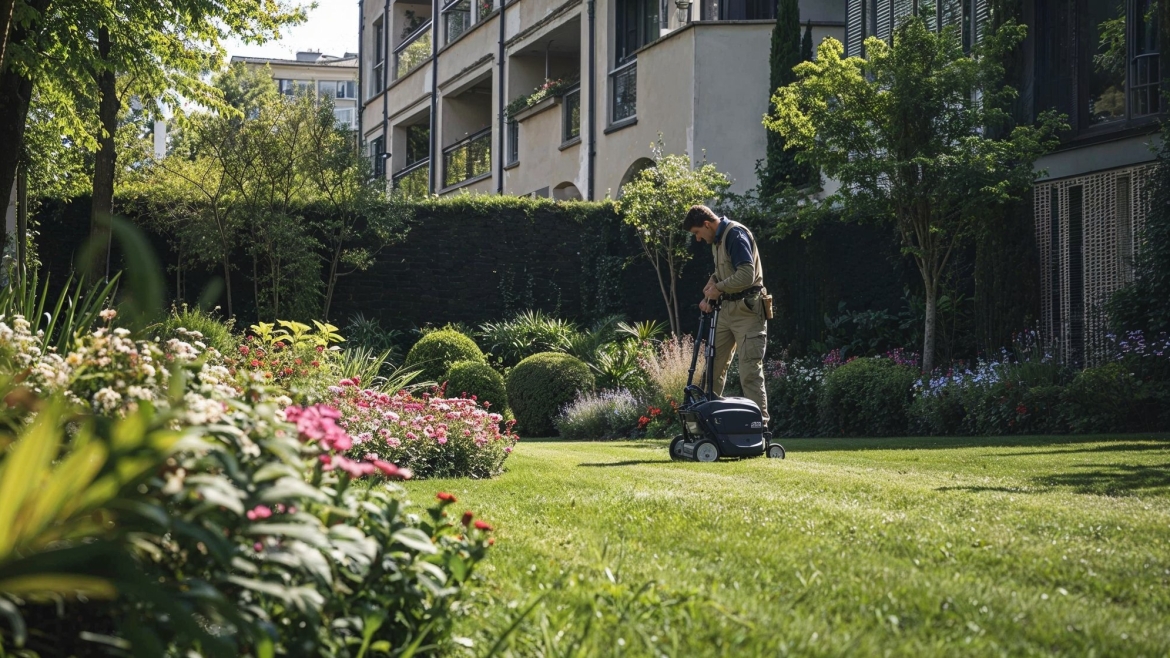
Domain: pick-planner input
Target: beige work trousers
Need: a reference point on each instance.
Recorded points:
(743, 328)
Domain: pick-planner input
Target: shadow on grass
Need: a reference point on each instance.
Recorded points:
(946, 443)
(628, 462)
(1104, 480)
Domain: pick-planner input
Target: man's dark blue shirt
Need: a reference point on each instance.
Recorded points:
(739, 245)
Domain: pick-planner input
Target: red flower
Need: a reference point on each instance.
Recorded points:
(244, 349)
(483, 525)
(1021, 409)
(643, 422)
(467, 516)
(320, 348)
(445, 497)
(316, 363)
(255, 363)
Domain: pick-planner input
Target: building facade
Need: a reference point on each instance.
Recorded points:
(448, 100)
(1099, 63)
(336, 77)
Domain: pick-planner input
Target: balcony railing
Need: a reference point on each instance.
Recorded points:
(456, 19)
(572, 116)
(413, 51)
(414, 180)
(468, 158)
(623, 83)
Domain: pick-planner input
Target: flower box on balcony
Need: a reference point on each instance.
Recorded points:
(540, 106)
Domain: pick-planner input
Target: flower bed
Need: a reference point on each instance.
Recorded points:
(432, 436)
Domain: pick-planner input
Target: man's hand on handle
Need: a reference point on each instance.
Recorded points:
(705, 306)
(710, 291)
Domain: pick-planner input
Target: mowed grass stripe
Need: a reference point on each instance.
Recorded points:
(986, 546)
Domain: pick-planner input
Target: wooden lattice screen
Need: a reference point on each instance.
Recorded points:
(1088, 255)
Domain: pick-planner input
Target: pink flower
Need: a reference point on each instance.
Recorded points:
(258, 513)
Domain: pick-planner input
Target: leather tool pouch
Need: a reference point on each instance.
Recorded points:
(767, 300)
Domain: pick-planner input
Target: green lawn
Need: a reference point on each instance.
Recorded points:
(998, 546)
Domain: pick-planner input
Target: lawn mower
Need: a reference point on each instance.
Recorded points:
(715, 426)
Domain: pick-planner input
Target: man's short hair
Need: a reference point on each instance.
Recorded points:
(697, 216)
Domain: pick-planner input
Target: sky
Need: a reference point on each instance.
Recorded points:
(332, 28)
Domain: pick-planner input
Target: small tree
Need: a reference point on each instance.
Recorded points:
(904, 132)
(654, 204)
(781, 168)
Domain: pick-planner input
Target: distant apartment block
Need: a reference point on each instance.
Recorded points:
(336, 77)
(444, 85)
(1097, 62)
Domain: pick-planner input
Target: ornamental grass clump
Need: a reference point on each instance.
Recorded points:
(431, 436)
(602, 415)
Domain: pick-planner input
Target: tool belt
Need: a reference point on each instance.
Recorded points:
(747, 292)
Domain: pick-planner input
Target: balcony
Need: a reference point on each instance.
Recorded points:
(414, 180)
(456, 20)
(468, 159)
(623, 83)
(413, 51)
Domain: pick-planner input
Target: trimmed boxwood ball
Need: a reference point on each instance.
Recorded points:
(540, 385)
(478, 379)
(436, 351)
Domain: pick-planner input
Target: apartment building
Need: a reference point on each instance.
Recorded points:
(1099, 63)
(336, 77)
(447, 90)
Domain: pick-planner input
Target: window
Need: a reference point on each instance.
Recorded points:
(345, 117)
(286, 87)
(378, 154)
(379, 77)
(337, 88)
(637, 25)
(456, 19)
(572, 115)
(513, 142)
(418, 143)
(738, 10)
(624, 91)
(1099, 62)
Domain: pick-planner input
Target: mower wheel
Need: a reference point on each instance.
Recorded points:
(706, 451)
(775, 451)
(676, 448)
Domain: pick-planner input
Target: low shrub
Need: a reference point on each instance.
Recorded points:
(1100, 399)
(478, 379)
(526, 334)
(541, 385)
(610, 414)
(793, 389)
(666, 370)
(866, 397)
(182, 320)
(432, 436)
(434, 353)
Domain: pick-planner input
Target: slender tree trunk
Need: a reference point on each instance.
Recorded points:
(106, 159)
(227, 284)
(332, 282)
(6, 7)
(928, 333)
(15, 96)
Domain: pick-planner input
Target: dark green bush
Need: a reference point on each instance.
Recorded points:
(1005, 408)
(434, 353)
(1100, 399)
(866, 397)
(541, 385)
(792, 399)
(937, 414)
(479, 379)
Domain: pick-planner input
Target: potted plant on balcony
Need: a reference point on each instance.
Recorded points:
(552, 88)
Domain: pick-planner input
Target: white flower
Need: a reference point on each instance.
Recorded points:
(108, 314)
(107, 399)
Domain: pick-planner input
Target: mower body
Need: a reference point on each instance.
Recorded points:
(734, 424)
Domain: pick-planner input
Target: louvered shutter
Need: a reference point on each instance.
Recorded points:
(853, 32)
(982, 21)
(903, 9)
(883, 22)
